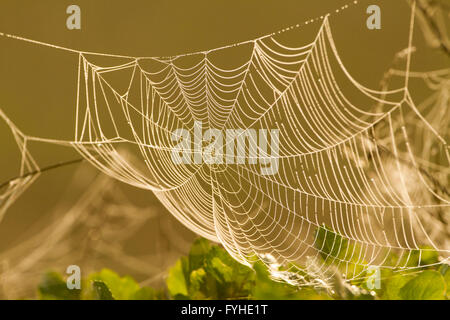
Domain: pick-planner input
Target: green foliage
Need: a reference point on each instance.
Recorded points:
(119, 288)
(209, 272)
(429, 285)
(426, 256)
(53, 287)
(101, 291)
(331, 245)
(334, 249)
(103, 285)
(426, 285)
(176, 283)
(446, 273)
(391, 285)
(266, 288)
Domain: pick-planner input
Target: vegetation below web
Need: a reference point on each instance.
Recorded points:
(209, 272)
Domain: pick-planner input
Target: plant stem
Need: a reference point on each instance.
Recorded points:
(38, 171)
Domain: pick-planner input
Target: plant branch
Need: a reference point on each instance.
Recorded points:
(45, 169)
(427, 9)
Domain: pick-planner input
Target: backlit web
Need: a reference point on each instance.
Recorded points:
(363, 174)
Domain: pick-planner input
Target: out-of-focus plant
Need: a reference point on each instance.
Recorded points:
(209, 272)
(432, 16)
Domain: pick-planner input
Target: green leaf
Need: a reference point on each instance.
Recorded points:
(330, 244)
(121, 288)
(197, 281)
(176, 282)
(267, 289)
(419, 257)
(53, 287)
(197, 278)
(429, 285)
(227, 278)
(428, 256)
(392, 286)
(198, 253)
(101, 291)
(335, 248)
(222, 272)
(446, 274)
(147, 293)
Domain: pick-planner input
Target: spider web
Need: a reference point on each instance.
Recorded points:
(94, 232)
(28, 172)
(355, 188)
